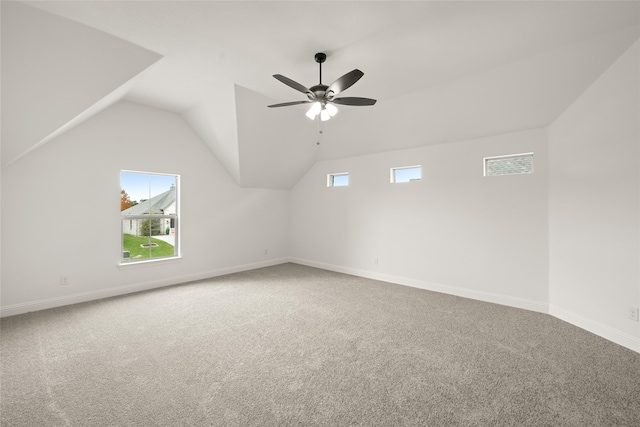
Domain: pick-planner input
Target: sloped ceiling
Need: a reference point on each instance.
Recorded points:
(441, 71)
(56, 71)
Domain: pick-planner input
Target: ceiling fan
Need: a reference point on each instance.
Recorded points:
(322, 96)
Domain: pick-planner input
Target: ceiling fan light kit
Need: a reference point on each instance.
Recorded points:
(323, 97)
(325, 110)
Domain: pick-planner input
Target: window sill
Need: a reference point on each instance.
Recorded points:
(148, 263)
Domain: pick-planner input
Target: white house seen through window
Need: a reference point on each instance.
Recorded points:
(149, 216)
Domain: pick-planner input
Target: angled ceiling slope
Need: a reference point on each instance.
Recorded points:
(56, 72)
(277, 149)
(214, 120)
(525, 94)
(441, 71)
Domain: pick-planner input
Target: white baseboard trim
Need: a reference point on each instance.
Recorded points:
(43, 304)
(604, 331)
(540, 307)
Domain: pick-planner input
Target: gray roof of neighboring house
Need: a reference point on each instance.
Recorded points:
(155, 205)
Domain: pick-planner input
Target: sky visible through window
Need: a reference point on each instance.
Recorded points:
(340, 180)
(407, 174)
(141, 186)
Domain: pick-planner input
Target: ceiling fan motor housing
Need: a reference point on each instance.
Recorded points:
(318, 90)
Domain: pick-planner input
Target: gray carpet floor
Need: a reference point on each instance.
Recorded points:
(296, 346)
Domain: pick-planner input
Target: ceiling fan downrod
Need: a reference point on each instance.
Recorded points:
(320, 58)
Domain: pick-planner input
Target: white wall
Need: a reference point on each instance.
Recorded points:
(60, 212)
(454, 231)
(594, 205)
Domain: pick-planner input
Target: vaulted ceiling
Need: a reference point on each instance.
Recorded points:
(441, 71)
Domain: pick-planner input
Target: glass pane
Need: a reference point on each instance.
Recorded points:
(161, 184)
(147, 238)
(144, 194)
(134, 188)
(340, 180)
(147, 193)
(407, 174)
(508, 165)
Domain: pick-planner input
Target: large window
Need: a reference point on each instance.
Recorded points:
(149, 216)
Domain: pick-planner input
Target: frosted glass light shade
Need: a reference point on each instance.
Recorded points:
(332, 109)
(326, 111)
(314, 110)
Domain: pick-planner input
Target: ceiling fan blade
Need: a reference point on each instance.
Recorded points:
(344, 82)
(354, 101)
(286, 104)
(297, 86)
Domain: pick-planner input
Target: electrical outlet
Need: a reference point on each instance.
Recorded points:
(266, 251)
(633, 313)
(64, 280)
(375, 261)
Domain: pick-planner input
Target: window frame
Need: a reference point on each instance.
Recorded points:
(507, 156)
(331, 179)
(392, 174)
(173, 218)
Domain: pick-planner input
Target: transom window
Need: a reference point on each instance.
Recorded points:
(508, 165)
(338, 179)
(406, 174)
(149, 216)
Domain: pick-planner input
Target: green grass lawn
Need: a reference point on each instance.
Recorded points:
(132, 244)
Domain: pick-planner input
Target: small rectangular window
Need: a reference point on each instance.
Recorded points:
(508, 165)
(149, 216)
(406, 174)
(338, 179)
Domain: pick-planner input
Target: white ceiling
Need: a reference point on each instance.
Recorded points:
(441, 71)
